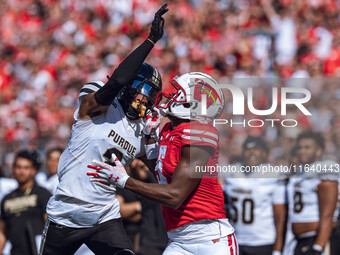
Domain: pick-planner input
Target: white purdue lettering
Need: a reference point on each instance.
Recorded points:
(20, 204)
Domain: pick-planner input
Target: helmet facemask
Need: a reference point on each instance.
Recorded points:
(143, 95)
(176, 95)
(145, 86)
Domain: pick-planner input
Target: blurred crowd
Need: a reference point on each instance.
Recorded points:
(50, 48)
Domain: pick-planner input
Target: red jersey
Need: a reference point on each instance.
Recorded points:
(206, 200)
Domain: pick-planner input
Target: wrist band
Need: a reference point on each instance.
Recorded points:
(317, 247)
(139, 207)
(276, 253)
(121, 182)
(151, 150)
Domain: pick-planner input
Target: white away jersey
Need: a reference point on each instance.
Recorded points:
(302, 193)
(250, 202)
(7, 185)
(78, 202)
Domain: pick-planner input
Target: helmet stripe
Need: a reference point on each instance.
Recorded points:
(95, 84)
(85, 91)
(194, 138)
(89, 87)
(156, 75)
(200, 132)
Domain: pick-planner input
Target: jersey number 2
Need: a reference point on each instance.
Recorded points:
(108, 155)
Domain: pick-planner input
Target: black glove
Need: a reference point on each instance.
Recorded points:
(156, 31)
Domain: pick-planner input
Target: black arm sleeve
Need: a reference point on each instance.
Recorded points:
(123, 74)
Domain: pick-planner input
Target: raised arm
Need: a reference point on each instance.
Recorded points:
(268, 8)
(3, 234)
(124, 73)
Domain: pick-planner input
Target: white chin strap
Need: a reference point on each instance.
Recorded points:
(179, 111)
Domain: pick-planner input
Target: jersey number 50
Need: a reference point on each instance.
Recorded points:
(247, 210)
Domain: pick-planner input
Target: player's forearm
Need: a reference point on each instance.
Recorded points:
(135, 218)
(327, 196)
(123, 74)
(280, 236)
(279, 241)
(324, 231)
(130, 209)
(2, 241)
(268, 9)
(3, 232)
(280, 218)
(151, 152)
(161, 193)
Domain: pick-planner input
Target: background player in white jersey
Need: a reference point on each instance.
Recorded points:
(256, 203)
(192, 205)
(49, 178)
(82, 211)
(6, 186)
(312, 196)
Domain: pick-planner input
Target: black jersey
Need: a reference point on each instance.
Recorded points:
(23, 211)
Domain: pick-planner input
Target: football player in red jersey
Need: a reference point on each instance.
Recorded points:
(192, 201)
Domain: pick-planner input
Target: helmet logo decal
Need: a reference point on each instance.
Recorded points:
(202, 86)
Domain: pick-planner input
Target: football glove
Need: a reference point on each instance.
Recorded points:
(105, 173)
(152, 121)
(156, 31)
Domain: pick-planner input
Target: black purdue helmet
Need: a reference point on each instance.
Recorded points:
(146, 82)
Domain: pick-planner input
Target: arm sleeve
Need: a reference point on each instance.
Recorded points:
(123, 74)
